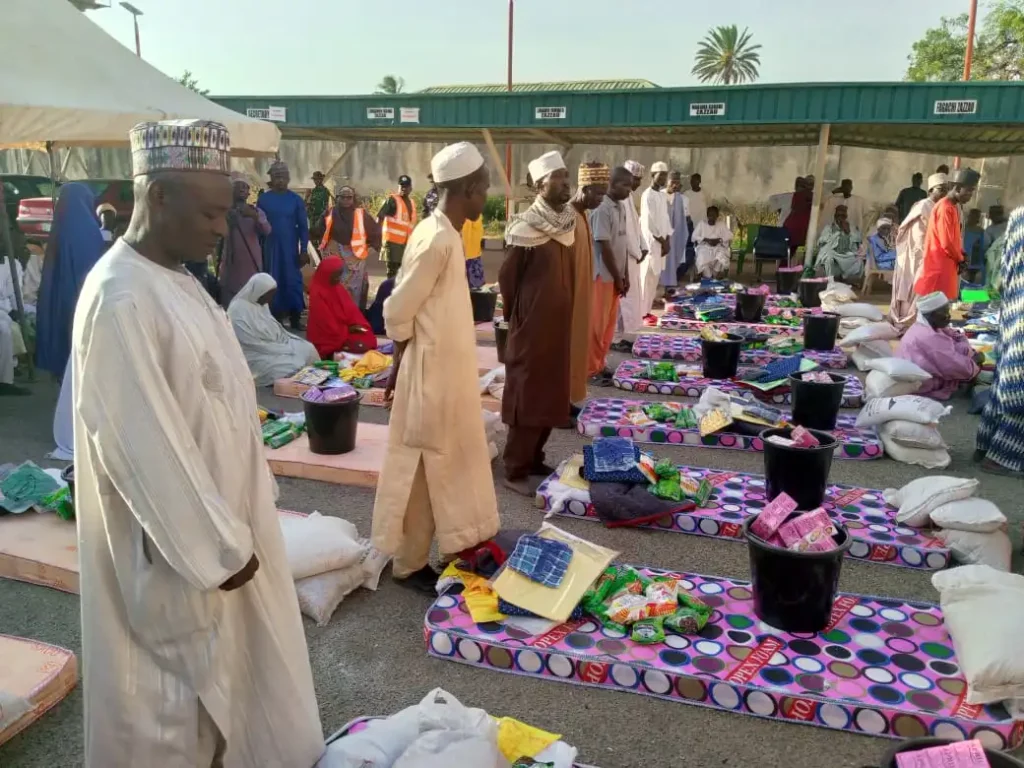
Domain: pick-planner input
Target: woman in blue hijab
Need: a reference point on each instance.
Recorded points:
(75, 244)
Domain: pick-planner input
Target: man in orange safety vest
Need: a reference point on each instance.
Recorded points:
(397, 217)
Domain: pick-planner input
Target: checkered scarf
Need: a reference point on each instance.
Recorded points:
(540, 223)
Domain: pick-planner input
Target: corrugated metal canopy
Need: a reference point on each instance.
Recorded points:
(567, 85)
(976, 119)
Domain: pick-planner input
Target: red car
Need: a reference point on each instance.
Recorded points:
(35, 214)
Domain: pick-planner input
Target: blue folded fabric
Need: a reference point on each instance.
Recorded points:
(614, 454)
(514, 610)
(631, 475)
(779, 368)
(544, 561)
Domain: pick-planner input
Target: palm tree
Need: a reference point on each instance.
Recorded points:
(390, 84)
(725, 56)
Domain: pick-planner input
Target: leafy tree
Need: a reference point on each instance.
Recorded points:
(390, 84)
(192, 84)
(998, 47)
(726, 56)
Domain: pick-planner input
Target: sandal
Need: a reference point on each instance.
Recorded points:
(989, 466)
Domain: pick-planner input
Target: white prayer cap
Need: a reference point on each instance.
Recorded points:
(936, 179)
(884, 221)
(456, 161)
(634, 168)
(545, 165)
(659, 167)
(931, 302)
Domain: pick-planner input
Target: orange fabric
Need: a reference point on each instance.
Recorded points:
(333, 313)
(943, 252)
(398, 228)
(359, 245)
(604, 311)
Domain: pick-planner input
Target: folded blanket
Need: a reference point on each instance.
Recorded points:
(619, 505)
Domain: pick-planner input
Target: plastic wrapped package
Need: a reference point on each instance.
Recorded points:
(319, 596)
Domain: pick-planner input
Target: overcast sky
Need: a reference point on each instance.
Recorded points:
(267, 47)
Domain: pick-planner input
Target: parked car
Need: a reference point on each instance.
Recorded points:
(18, 187)
(35, 215)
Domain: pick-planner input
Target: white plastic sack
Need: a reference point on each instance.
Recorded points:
(899, 369)
(452, 735)
(929, 458)
(919, 497)
(848, 325)
(984, 613)
(320, 595)
(12, 707)
(878, 384)
(858, 309)
(836, 294)
(873, 332)
(379, 745)
(492, 377)
(970, 548)
(318, 543)
(973, 514)
(902, 408)
(373, 562)
(912, 435)
(869, 350)
(712, 398)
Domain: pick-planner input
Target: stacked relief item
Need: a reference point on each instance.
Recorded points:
(909, 428)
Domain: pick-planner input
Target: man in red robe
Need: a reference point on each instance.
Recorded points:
(943, 245)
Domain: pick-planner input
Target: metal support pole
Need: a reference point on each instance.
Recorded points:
(972, 19)
(820, 162)
(508, 146)
(492, 150)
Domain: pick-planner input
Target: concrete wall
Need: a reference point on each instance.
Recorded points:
(743, 176)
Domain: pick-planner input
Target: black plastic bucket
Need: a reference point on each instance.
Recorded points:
(749, 307)
(501, 339)
(816, 406)
(721, 359)
(787, 279)
(809, 291)
(794, 591)
(821, 331)
(995, 759)
(332, 426)
(484, 303)
(801, 473)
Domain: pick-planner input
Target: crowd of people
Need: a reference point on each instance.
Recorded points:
(181, 556)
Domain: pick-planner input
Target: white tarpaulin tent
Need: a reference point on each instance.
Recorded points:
(75, 85)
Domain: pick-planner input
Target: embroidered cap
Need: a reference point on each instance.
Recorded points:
(180, 145)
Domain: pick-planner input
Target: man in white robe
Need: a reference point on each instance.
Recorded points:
(193, 648)
(711, 240)
(436, 480)
(631, 306)
(656, 226)
(910, 254)
(856, 208)
(696, 200)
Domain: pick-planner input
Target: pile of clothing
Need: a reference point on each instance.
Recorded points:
(365, 371)
(974, 529)
(328, 561)
(440, 732)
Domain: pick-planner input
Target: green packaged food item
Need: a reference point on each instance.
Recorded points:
(690, 618)
(660, 372)
(284, 437)
(704, 491)
(327, 365)
(666, 469)
(60, 501)
(685, 419)
(649, 631)
(659, 412)
(669, 490)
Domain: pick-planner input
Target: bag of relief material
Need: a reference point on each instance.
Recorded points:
(320, 595)
(902, 408)
(319, 543)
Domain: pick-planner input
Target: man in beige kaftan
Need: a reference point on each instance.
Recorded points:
(910, 254)
(436, 480)
(193, 648)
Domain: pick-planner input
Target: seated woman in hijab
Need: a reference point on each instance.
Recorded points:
(940, 350)
(375, 314)
(335, 322)
(272, 352)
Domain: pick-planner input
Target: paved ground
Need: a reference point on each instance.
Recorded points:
(371, 660)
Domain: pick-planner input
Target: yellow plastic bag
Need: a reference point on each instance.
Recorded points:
(517, 739)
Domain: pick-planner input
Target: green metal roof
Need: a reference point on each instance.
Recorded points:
(569, 85)
(974, 119)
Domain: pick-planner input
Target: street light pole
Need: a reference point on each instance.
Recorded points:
(972, 19)
(135, 12)
(508, 146)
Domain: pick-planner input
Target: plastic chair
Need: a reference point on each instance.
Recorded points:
(771, 244)
(750, 236)
(871, 269)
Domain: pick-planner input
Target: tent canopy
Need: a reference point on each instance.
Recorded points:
(74, 85)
